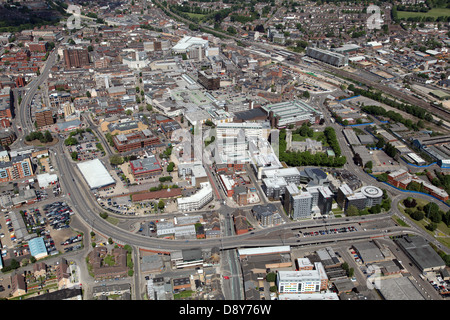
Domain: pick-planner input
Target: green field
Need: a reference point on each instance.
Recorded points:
(436, 12)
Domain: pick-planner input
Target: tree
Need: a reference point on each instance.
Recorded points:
(71, 141)
(48, 136)
(271, 277)
(74, 155)
(170, 167)
(161, 204)
(352, 211)
(116, 160)
(417, 215)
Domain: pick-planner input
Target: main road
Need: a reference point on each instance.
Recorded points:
(85, 205)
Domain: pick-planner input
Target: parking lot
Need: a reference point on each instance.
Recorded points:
(326, 231)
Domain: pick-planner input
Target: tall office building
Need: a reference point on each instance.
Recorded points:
(367, 197)
(297, 204)
(208, 80)
(325, 200)
(76, 58)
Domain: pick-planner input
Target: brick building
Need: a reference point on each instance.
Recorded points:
(44, 118)
(135, 140)
(19, 167)
(76, 58)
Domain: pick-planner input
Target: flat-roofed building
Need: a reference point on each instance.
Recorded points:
(420, 253)
(294, 112)
(43, 118)
(135, 140)
(330, 57)
(147, 167)
(96, 174)
(197, 200)
(302, 281)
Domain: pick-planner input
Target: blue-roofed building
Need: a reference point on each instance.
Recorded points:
(37, 248)
(69, 125)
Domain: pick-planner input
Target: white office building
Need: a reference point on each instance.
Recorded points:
(303, 281)
(197, 200)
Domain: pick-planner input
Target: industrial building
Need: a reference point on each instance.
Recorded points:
(96, 175)
(421, 253)
(437, 147)
(185, 44)
(76, 58)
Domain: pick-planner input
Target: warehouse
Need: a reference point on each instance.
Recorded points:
(95, 174)
(368, 252)
(421, 253)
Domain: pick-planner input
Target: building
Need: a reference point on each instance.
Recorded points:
(302, 281)
(333, 58)
(197, 200)
(63, 273)
(325, 200)
(374, 195)
(267, 215)
(185, 44)
(7, 137)
(19, 167)
(367, 197)
(421, 253)
(208, 80)
(295, 112)
(135, 140)
(102, 270)
(297, 204)
(43, 118)
(96, 174)
(37, 248)
(76, 58)
(18, 285)
(38, 46)
(401, 179)
(147, 167)
(6, 103)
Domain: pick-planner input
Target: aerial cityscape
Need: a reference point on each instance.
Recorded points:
(225, 150)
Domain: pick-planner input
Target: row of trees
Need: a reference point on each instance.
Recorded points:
(416, 111)
(38, 135)
(332, 140)
(395, 116)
